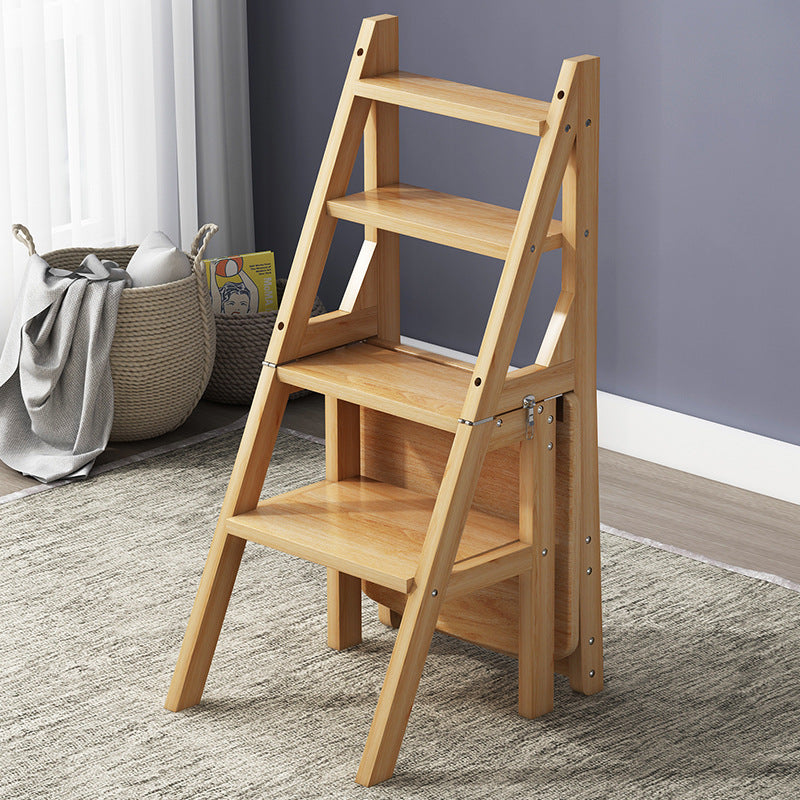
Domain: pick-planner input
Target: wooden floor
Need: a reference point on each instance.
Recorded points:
(723, 523)
(714, 520)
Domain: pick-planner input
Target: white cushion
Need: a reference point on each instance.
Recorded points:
(157, 260)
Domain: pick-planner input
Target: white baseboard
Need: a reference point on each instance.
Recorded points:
(724, 454)
(708, 449)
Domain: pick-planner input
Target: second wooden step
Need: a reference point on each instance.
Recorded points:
(437, 217)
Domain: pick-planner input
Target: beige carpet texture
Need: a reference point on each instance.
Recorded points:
(97, 580)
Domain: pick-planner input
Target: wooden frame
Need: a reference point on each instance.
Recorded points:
(470, 492)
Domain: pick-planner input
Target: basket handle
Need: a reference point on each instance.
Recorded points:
(196, 252)
(201, 241)
(22, 234)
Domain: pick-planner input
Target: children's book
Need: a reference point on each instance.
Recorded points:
(241, 285)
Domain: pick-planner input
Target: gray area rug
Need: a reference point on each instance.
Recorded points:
(96, 584)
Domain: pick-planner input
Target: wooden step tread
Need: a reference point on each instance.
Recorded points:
(437, 217)
(372, 530)
(413, 384)
(394, 382)
(486, 106)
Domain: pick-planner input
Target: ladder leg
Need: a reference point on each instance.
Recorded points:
(537, 587)
(389, 617)
(586, 662)
(342, 460)
(381, 167)
(422, 609)
(399, 688)
(222, 564)
(580, 226)
(344, 610)
(205, 622)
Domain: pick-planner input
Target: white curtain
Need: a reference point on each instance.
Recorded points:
(222, 107)
(99, 130)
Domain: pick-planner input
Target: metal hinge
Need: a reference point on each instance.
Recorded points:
(529, 403)
(472, 424)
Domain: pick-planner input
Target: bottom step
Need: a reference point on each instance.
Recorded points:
(375, 531)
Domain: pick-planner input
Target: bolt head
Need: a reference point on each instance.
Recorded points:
(434, 592)
(589, 571)
(591, 673)
(550, 418)
(540, 409)
(544, 551)
(588, 539)
(549, 445)
(499, 423)
(591, 640)
(586, 232)
(567, 128)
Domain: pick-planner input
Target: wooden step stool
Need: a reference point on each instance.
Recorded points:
(462, 498)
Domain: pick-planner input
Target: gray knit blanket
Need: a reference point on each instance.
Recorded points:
(56, 393)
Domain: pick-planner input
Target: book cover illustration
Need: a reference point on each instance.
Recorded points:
(241, 285)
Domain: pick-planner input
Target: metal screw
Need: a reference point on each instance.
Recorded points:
(591, 673)
(586, 232)
(549, 445)
(434, 592)
(588, 539)
(499, 423)
(588, 123)
(568, 128)
(589, 571)
(540, 409)
(550, 418)
(591, 640)
(533, 247)
(544, 551)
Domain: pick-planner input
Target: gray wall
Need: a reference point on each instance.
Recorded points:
(700, 168)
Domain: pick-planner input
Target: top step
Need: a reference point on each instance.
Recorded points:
(501, 110)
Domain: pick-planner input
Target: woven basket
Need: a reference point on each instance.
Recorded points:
(163, 348)
(241, 345)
